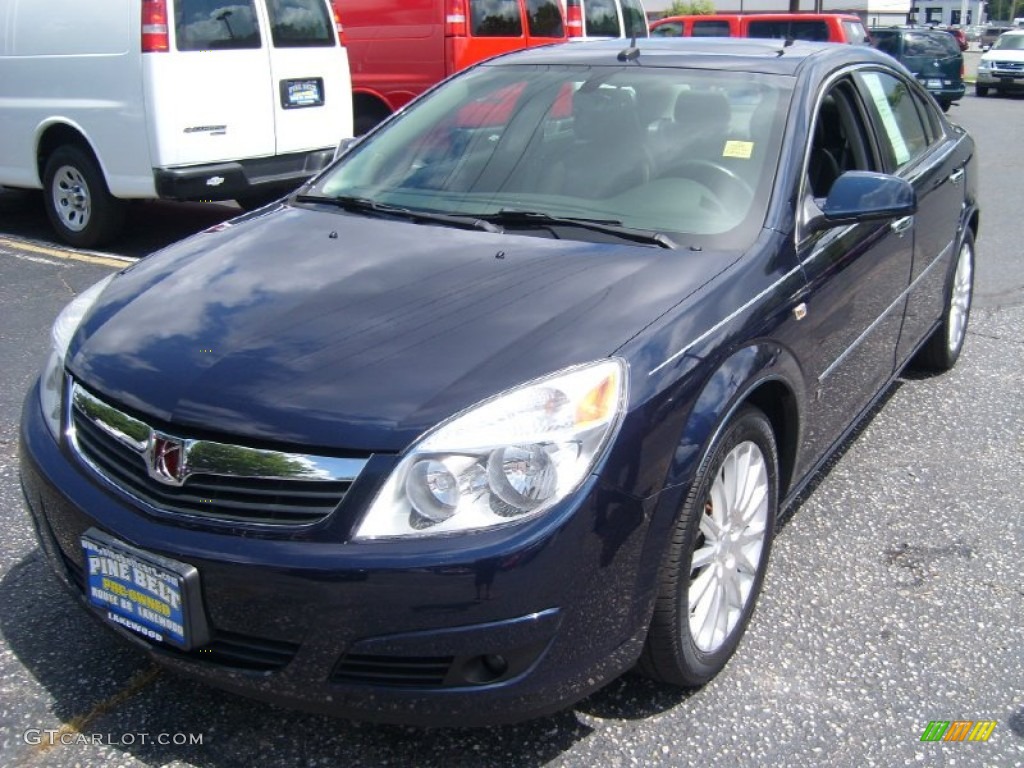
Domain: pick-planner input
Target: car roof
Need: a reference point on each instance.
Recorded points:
(724, 53)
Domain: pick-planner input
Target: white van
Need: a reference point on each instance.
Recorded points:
(102, 102)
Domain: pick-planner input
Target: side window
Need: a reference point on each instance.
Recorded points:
(797, 30)
(838, 141)
(544, 18)
(894, 108)
(711, 29)
(300, 24)
(205, 25)
(669, 29)
(495, 18)
(602, 18)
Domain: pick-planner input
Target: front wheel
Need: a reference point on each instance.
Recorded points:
(717, 556)
(78, 203)
(943, 348)
(981, 90)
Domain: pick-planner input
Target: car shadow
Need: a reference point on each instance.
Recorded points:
(95, 681)
(149, 224)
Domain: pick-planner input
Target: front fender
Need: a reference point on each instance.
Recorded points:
(765, 374)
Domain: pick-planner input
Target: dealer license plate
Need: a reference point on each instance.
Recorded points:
(308, 92)
(152, 596)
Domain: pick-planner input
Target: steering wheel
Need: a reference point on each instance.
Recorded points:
(729, 188)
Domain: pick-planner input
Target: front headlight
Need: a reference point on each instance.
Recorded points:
(51, 382)
(505, 460)
(984, 64)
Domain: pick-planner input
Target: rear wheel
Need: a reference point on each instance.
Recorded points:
(981, 90)
(717, 556)
(945, 105)
(78, 203)
(942, 350)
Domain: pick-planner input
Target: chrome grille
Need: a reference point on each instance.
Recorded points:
(210, 480)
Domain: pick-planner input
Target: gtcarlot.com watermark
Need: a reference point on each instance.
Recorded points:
(63, 737)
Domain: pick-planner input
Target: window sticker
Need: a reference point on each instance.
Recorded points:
(892, 128)
(740, 149)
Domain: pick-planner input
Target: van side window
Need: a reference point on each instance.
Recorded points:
(668, 29)
(710, 29)
(495, 18)
(602, 18)
(203, 25)
(797, 30)
(544, 18)
(300, 24)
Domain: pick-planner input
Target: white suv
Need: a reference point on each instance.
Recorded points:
(1001, 68)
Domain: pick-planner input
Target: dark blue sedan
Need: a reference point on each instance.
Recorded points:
(508, 399)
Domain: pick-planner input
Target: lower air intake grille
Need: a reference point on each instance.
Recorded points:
(399, 671)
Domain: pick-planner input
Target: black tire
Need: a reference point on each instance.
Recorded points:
(78, 203)
(945, 105)
(943, 347)
(672, 653)
(981, 90)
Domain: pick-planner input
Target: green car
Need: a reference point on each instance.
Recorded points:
(931, 55)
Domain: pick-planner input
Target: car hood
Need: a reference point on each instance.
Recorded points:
(1014, 54)
(322, 328)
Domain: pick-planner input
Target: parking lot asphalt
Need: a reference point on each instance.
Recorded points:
(894, 596)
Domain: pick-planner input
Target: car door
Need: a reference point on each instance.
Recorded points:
(918, 145)
(856, 275)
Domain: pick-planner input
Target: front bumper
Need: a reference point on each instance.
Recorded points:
(473, 631)
(1009, 80)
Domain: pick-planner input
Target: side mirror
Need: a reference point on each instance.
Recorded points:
(344, 146)
(858, 196)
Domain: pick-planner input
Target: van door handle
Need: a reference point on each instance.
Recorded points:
(957, 176)
(902, 226)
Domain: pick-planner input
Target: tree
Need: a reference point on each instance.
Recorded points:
(691, 8)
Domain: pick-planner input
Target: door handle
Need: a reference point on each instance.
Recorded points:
(902, 226)
(957, 176)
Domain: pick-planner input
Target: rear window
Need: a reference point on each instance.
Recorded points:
(929, 44)
(544, 18)
(711, 29)
(634, 19)
(204, 25)
(300, 23)
(495, 18)
(602, 18)
(815, 31)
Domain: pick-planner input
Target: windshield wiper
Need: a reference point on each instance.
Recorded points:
(507, 217)
(351, 203)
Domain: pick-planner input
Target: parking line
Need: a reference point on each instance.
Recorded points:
(61, 253)
(135, 684)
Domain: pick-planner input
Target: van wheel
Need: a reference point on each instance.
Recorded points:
(945, 105)
(78, 203)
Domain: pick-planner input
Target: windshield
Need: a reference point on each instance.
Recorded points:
(1009, 43)
(688, 153)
